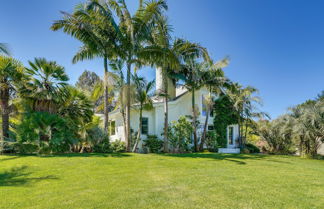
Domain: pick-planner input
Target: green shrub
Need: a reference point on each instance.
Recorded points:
(179, 134)
(252, 148)
(153, 144)
(118, 146)
(103, 147)
(25, 148)
(211, 141)
(47, 130)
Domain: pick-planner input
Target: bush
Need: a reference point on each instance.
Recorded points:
(48, 130)
(211, 141)
(179, 134)
(25, 148)
(252, 148)
(118, 146)
(153, 144)
(103, 147)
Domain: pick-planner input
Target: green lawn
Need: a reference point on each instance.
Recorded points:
(160, 181)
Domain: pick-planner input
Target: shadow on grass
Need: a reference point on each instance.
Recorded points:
(19, 177)
(67, 155)
(236, 158)
(11, 158)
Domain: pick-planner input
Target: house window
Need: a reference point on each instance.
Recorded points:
(112, 128)
(210, 128)
(144, 128)
(230, 135)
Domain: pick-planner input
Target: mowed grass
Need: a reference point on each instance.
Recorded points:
(160, 181)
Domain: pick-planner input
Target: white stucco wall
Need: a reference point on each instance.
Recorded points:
(177, 108)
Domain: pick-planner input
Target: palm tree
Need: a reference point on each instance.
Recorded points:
(78, 109)
(93, 24)
(136, 30)
(192, 75)
(169, 56)
(4, 49)
(144, 101)
(243, 99)
(11, 73)
(120, 88)
(45, 89)
(215, 81)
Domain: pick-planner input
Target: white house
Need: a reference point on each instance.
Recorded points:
(179, 105)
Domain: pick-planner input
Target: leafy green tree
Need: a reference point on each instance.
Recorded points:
(11, 75)
(143, 98)
(87, 81)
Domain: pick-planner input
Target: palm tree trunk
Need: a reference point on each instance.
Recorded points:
(166, 111)
(194, 120)
(239, 129)
(139, 128)
(246, 129)
(203, 138)
(128, 106)
(122, 111)
(106, 116)
(4, 100)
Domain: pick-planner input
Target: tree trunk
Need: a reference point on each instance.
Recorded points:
(166, 111)
(106, 116)
(128, 106)
(203, 138)
(4, 93)
(122, 111)
(239, 129)
(246, 129)
(194, 120)
(139, 128)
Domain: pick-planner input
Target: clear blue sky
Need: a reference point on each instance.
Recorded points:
(274, 45)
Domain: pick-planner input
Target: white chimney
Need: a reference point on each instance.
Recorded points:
(159, 84)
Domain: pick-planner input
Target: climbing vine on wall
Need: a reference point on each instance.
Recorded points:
(224, 115)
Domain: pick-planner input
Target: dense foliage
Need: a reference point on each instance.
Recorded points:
(180, 133)
(41, 103)
(152, 144)
(302, 129)
(224, 115)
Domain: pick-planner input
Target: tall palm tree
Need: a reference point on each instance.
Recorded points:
(120, 88)
(4, 49)
(169, 55)
(93, 24)
(143, 99)
(11, 73)
(45, 89)
(244, 100)
(215, 81)
(136, 30)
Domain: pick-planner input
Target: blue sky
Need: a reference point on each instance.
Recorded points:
(274, 45)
